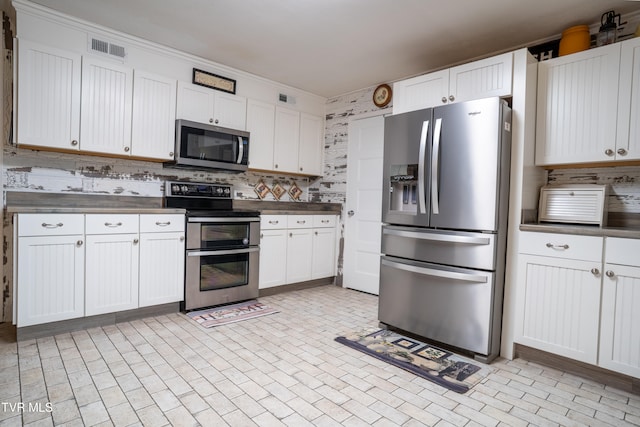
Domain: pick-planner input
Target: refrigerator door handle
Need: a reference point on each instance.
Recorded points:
(438, 237)
(422, 198)
(434, 167)
(476, 278)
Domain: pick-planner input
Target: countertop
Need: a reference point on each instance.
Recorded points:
(584, 230)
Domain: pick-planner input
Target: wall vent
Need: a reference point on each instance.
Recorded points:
(104, 47)
(286, 98)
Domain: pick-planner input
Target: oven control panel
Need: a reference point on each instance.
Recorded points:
(205, 190)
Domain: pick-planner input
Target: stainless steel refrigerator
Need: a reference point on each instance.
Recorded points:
(445, 206)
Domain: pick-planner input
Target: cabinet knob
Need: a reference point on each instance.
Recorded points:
(74, 142)
(182, 238)
(300, 169)
(622, 151)
(595, 271)
(444, 99)
(79, 243)
(316, 233)
(275, 166)
(351, 213)
(217, 121)
(608, 152)
(452, 98)
(210, 120)
(610, 273)
(170, 153)
(261, 235)
(135, 241)
(290, 234)
(126, 149)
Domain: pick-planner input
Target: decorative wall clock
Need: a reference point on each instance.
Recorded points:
(382, 95)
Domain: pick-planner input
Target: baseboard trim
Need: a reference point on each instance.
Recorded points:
(585, 370)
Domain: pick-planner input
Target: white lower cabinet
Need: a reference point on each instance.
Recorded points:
(296, 248)
(620, 322)
(50, 269)
(74, 265)
(578, 298)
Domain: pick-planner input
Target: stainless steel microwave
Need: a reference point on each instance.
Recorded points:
(202, 146)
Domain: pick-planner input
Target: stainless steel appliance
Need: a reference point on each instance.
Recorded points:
(222, 245)
(445, 203)
(199, 145)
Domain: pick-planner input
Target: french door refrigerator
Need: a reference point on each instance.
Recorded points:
(445, 206)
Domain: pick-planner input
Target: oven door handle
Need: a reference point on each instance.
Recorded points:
(223, 219)
(227, 252)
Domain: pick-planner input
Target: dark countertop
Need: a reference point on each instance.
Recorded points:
(267, 207)
(584, 230)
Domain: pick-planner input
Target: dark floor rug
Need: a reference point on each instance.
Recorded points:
(226, 314)
(440, 366)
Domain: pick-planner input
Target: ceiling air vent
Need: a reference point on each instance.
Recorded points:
(104, 47)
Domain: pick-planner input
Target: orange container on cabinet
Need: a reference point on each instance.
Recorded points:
(575, 39)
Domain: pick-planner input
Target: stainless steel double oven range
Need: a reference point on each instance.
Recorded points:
(222, 245)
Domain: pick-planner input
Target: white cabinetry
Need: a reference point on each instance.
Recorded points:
(311, 145)
(105, 109)
(619, 329)
(162, 252)
(296, 248)
(479, 79)
(577, 104)
(261, 126)
(111, 281)
(287, 140)
(628, 126)
(50, 268)
(48, 97)
(559, 297)
(154, 114)
(205, 105)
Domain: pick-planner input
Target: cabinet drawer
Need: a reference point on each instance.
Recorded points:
(50, 224)
(273, 222)
(587, 248)
(299, 221)
(622, 251)
(161, 223)
(111, 224)
(320, 221)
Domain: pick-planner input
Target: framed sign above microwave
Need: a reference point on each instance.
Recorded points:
(214, 81)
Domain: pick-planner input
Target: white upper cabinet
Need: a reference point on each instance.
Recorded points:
(475, 80)
(261, 127)
(48, 97)
(287, 136)
(311, 144)
(628, 131)
(105, 111)
(154, 114)
(577, 107)
(205, 105)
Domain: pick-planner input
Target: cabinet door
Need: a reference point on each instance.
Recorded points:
(577, 107)
(154, 116)
(105, 110)
(311, 145)
(261, 118)
(287, 137)
(230, 111)
(481, 79)
(299, 250)
(195, 103)
(273, 261)
(559, 304)
(48, 96)
(50, 279)
(161, 268)
(111, 273)
(426, 91)
(628, 132)
(323, 253)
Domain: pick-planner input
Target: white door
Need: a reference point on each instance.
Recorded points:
(364, 205)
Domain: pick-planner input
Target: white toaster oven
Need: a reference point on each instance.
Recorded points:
(573, 204)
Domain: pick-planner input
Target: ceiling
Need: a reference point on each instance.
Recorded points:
(332, 47)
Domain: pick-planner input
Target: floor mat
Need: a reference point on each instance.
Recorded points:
(223, 315)
(440, 366)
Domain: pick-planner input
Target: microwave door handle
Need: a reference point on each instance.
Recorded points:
(435, 164)
(422, 198)
(240, 150)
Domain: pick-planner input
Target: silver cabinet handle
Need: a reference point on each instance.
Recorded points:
(261, 235)
(351, 213)
(217, 121)
(135, 241)
(444, 99)
(126, 149)
(316, 233)
(272, 222)
(324, 221)
(551, 245)
(290, 234)
(610, 273)
(74, 142)
(47, 225)
(452, 98)
(437, 273)
(595, 271)
(170, 153)
(275, 166)
(79, 243)
(182, 238)
(300, 169)
(622, 151)
(112, 225)
(163, 224)
(210, 120)
(301, 222)
(608, 152)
